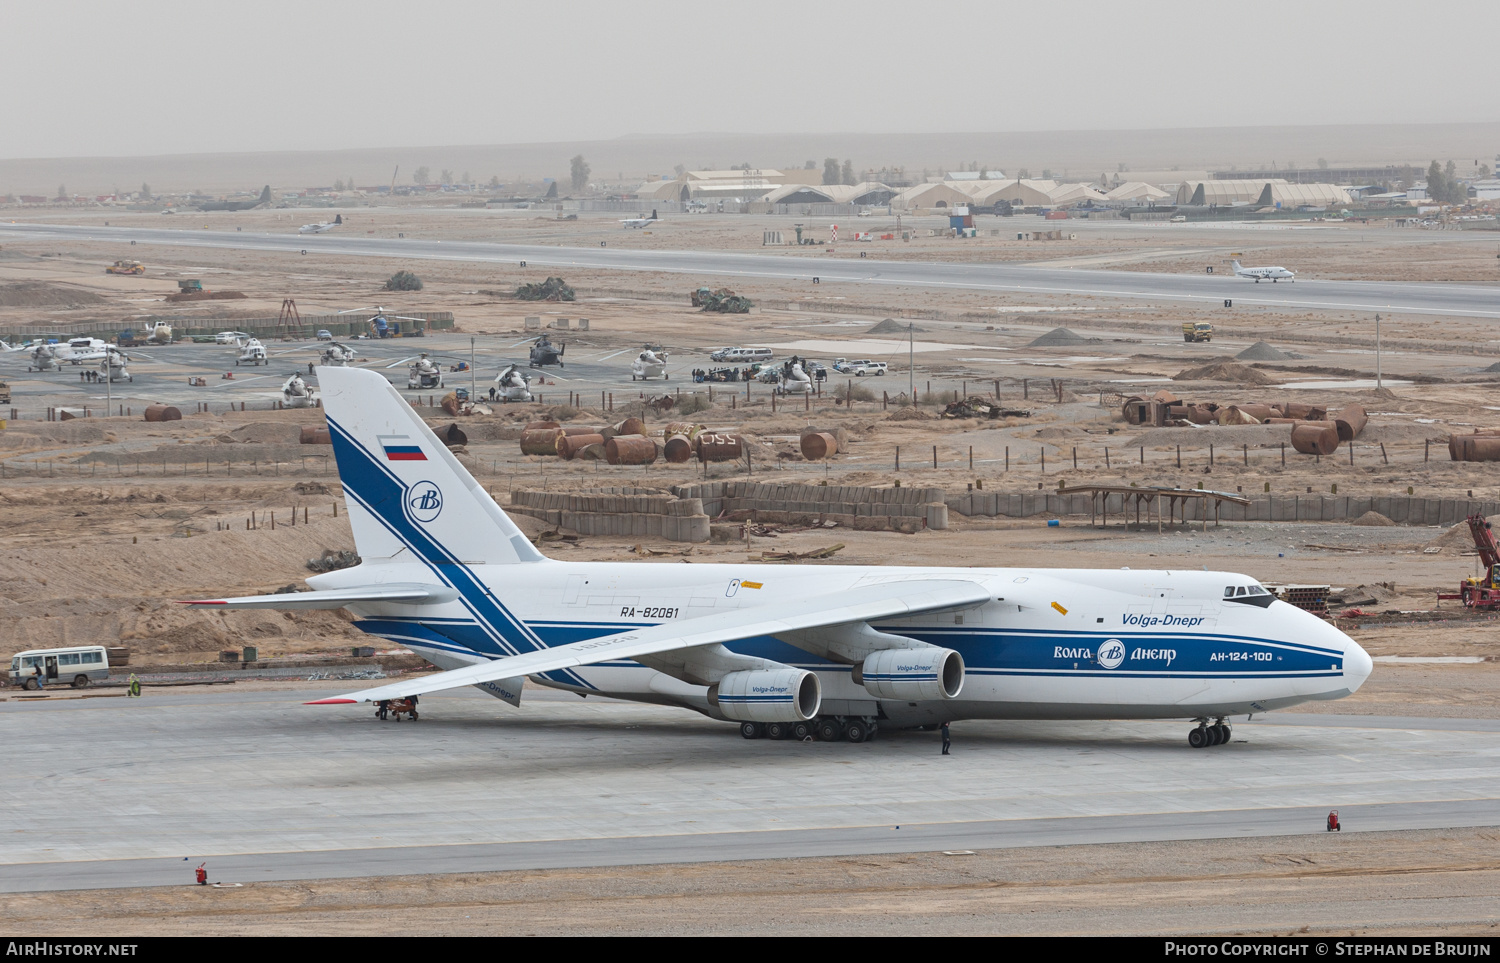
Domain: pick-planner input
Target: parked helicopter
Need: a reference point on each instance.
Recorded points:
(112, 367)
(43, 358)
(337, 354)
(380, 322)
(650, 363)
(544, 353)
(296, 393)
(252, 352)
(511, 384)
(424, 373)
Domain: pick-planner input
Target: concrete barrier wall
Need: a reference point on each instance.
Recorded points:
(1402, 509)
(903, 509)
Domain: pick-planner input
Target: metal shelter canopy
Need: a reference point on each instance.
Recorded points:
(1172, 497)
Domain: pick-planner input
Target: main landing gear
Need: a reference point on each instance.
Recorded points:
(824, 729)
(1209, 735)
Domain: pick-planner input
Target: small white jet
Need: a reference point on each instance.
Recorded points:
(6, 348)
(323, 227)
(1261, 273)
(640, 222)
(832, 651)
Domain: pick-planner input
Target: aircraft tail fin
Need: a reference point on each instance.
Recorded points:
(405, 491)
(1236, 265)
(338, 219)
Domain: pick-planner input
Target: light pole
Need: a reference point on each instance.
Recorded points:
(911, 371)
(472, 389)
(1379, 383)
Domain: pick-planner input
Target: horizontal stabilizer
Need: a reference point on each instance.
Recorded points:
(861, 604)
(412, 593)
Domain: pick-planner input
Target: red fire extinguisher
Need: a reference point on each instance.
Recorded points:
(1333, 822)
(202, 874)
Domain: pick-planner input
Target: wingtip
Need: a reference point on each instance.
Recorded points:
(332, 702)
(201, 601)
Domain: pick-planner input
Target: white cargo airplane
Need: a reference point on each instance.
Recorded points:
(79, 350)
(322, 228)
(831, 651)
(640, 222)
(1261, 273)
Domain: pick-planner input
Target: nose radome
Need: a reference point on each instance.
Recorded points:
(1357, 665)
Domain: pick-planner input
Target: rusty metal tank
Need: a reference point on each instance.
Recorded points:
(539, 425)
(630, 450)
(716, 446)
(162, 413)
(568, 446)
(315, 436)
(1315, 438)
(541, 441)
(817, 445)
(1350, 422)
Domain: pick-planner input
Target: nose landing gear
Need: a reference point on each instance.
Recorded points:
(1209, 735)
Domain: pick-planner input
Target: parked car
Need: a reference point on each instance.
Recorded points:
(324, 334)
(230, 337)
(876, 368)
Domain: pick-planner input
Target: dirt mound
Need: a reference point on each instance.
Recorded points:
(35, 294)
(1225, 371)
(1059, 337)
(1373, 519)
(1494, 367)
(892, 326)
(1455, 540)
(1201, 436)
(1260, 351)
(910, 414)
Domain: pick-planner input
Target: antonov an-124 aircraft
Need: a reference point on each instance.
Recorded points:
(829, 651)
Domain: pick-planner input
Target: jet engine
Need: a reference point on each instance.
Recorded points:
(768, 695)
(914, 675)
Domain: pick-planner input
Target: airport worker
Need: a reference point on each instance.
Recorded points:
(133, 686)
(947, 741)
(309, 367)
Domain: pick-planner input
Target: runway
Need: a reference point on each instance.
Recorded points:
(264, 788)
(1455, 300)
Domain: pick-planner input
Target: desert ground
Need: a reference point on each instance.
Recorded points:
(110, 519)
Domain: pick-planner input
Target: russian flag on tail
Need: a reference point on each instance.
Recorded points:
(400, 448)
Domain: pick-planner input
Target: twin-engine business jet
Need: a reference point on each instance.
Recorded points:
(1274, 273)
(323, 227)
(835, 651)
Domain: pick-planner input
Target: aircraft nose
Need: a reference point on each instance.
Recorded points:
(1357, 664)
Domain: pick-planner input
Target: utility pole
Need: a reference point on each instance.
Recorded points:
(1378, 382)
(911, 369)
(472, 395)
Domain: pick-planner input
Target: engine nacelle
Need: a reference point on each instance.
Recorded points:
(768, 695)
(913, 675)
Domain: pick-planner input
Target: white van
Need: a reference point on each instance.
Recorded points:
(75, 665)
(741, 355)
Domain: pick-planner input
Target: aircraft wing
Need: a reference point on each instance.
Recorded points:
(881, 601)
(412, 593)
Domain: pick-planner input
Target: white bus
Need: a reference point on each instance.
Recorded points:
(76, 665)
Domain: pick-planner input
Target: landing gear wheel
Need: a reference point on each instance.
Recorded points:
(802, 731)
(1218, 734)
(752, 730)
(777, 730)
(1198, 738)
(829, 730)
(856, 732)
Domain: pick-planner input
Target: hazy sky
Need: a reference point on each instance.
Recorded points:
(160, 77)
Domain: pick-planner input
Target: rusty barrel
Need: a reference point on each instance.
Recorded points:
(315, 436)
(714, 446)
(677, 449)
(541, 441)
(1296, 409)
(1350, 422)
(450, 403)
(1235, 415)
(162, 413)
(568, 446)
(630, 426)
(539, 425)
(630, 450)
(1258, 412)
(1315, 438)
(1200, 415)
(1474, 447)
(578, 430)
(817, 445)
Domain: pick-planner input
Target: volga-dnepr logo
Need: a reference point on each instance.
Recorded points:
(424, 502)
(1111, 653)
